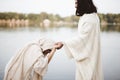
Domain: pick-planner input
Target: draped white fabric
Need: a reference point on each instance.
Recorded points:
(28, 64)
(85, 48)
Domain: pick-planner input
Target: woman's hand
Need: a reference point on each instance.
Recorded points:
(59, 45)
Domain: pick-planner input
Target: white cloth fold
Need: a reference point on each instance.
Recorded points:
(29, 59)
(85, 48)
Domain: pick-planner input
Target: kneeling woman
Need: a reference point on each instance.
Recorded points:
(31, 62)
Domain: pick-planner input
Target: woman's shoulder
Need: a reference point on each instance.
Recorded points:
(34, 46)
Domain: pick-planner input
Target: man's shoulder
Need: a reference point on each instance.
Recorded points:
(91, 18)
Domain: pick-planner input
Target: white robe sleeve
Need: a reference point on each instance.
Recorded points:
(78, 48)
(40, 67)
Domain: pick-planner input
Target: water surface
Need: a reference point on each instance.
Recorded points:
(60, 68)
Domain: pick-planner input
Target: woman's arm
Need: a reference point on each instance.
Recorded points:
(40, 66)
(50, 55)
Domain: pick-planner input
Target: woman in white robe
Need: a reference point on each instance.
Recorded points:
(31, 62)
(85, 48)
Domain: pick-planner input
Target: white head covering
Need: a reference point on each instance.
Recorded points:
(46, 43)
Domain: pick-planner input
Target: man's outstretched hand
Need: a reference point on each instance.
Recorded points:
(59, 45)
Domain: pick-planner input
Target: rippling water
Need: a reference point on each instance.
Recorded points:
(60, 68)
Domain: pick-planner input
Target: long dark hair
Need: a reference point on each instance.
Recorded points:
(85, 6)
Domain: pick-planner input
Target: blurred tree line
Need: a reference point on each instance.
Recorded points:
(37, 18)
(110, 18)
(34, 17)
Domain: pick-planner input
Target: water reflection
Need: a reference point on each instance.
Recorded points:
(110, 28)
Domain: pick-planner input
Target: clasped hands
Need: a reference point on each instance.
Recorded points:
(58, 45)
